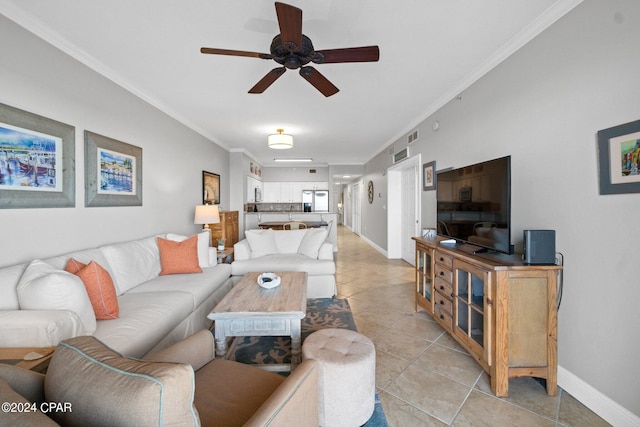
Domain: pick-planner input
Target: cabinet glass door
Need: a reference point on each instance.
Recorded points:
(470, 290)
(424, 277)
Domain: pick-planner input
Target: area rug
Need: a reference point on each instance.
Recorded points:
(321, 313)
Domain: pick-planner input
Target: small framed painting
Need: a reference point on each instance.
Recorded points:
(429, 176)
(113, 172)
(619, 159)
(37, 161)
(210, 188)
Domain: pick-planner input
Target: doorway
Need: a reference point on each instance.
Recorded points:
(403, 218)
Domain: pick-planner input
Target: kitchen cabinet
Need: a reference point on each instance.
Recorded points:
(252, 184)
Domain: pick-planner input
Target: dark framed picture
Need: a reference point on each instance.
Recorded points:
(113, 172)
(429, 176)
(619, 159)
(37, 161)
(210, 188)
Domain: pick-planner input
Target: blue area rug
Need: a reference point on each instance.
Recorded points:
(321, 313)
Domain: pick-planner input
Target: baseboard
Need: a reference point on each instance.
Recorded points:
(373, 245)
(610, 411)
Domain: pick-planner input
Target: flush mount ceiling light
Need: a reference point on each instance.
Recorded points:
(294, 160)
(280, 141)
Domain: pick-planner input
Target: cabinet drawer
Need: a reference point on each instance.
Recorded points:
(444, 302)
(443, 317)
(444, 259)
(443, 273)
(443, 287)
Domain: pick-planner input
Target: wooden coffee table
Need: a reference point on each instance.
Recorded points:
(249, 310)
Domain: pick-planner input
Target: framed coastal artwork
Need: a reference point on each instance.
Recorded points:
(37, 161)
(210, 188)
(619, 159)
(113, 172)
(429, 176)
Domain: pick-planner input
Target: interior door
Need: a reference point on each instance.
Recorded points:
(409, 219)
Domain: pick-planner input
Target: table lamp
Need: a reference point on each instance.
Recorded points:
(205, 215)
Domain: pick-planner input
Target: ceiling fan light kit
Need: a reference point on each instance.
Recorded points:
(280, 141)
(293, 50)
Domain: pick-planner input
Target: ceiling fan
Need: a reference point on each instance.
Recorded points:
(294, 50)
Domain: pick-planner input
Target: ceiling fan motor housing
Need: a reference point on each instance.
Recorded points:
(289, 54)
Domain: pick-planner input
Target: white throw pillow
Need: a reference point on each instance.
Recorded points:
(261, 242)
(288, 241)
(311, 242)
(203, 246)
(43, 287)
(133, 262)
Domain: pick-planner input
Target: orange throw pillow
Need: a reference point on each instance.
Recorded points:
(179, 257)
(102, 292)
(73, 266)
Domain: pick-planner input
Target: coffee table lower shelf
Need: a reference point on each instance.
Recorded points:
(262, 326)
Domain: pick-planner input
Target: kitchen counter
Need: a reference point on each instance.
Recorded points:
(279, 225)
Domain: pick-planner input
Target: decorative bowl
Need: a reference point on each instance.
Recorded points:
(268, 280)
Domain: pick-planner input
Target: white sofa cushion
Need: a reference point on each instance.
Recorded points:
(145, 318)
(284, 262)
(261, 242)
(133, 262)
(43, 287)
(38, 328)
(288, 241)
(311, 242)
(200, 287)
(203, 246)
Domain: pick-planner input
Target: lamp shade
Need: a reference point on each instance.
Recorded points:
(280, 141)
(207, 214)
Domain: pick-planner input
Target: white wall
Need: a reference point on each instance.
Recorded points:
(543, 106)
(297, 173)
(40, 79)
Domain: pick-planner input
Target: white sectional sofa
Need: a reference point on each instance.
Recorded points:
(40, 304)
(289, 250)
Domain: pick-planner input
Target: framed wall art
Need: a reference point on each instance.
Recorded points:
(113, 172)
(37, 161)
(210, 188)
(429, 176)
(619, 159)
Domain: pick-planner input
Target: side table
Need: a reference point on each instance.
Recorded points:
(225, 256)
(15, 356)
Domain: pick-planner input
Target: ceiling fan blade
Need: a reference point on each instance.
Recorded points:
(350, 54)
(290, 21)
(319, 81)
(214, 51)
(267, 80)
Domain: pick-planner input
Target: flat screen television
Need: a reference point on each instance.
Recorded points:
(474, 205)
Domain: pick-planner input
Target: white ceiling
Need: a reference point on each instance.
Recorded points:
(430, 51)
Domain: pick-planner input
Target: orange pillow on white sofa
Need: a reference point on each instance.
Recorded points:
(100, 288)
(179, 257)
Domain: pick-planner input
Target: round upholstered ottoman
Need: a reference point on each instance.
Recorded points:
(347, 375)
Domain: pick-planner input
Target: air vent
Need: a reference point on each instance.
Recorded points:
(413, 136)
(401, 155)
(312, 171)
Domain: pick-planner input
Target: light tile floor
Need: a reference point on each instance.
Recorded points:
(423, 376)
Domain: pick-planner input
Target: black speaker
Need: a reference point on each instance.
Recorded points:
(539, 247)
